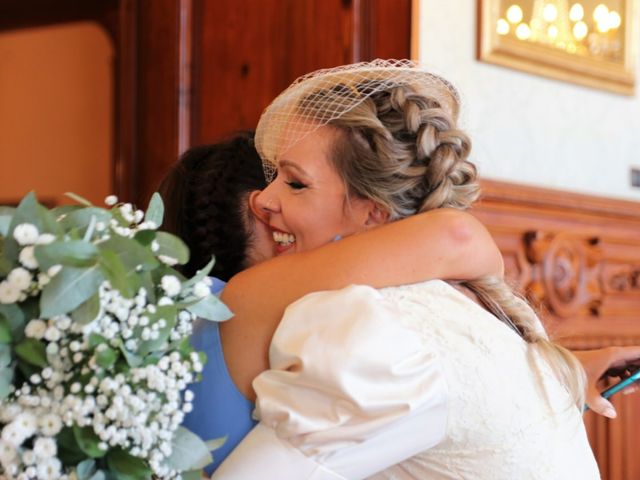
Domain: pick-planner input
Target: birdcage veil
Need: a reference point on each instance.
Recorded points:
(318, 98)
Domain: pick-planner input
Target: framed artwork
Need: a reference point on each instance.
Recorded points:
(591, 42)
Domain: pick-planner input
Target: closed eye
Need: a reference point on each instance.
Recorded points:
(295, 185)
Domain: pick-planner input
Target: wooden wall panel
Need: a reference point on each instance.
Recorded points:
(578, 258)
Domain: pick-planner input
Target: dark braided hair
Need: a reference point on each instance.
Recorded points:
(205, 195)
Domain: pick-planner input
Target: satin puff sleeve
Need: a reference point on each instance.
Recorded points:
(351, 391)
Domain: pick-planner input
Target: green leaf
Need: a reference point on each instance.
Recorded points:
(106, 357)
(155, 210)
(79, 199)
(68, 450)
(145, 237)
(130, 253)
(74, 253)
(132, 359)
(191, 475)
(81, 218)
(32, 351)
(5, 330)
(100, 475)
(173, 247)
(6, 214)
(189, 451)
(211, 308)
(6, 380)
(216, 443)
(117, 274)
(88, 441)
(127, 467)
(167, 312)
(95, 340)
(5, 355)
(5, 264)
(70, 288)
(86, 469)
(200, 274)
(88, 311)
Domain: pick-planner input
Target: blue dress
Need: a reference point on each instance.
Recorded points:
(219, 409)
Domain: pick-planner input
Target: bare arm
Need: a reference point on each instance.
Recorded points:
(442, 243)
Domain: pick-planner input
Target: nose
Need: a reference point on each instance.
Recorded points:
(258, 212)
(266, 200)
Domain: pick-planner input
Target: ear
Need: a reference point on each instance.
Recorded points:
(377, 215)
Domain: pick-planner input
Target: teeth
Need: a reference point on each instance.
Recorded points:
(283, 238)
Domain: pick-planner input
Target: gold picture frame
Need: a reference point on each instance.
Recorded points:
(601, 52)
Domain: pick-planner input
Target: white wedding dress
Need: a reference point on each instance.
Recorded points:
(411, 382)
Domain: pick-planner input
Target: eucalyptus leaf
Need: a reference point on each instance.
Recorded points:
(189, 451)
(32, 351)
(216, 443)
(74, 253)
(5, 355)
(88, 441)
(117, 274)
(6, 214)
(200, 274)
(130, 253)
(127, 467)
(70, 288)
(6, 379)
(106, 357)
(192, 475)
(5, 330)
(155, 210)
(79, 199)
(86, 469)
(211, 308)
(80, 219)
(132, 359)
(30, 211)
(68, 450)
(172, 246)
(167, 312)
(100, 475)
(5, 263)
(88, 311)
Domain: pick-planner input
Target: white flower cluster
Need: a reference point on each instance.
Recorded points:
(137, 411)
(121, 378)
(25, 281)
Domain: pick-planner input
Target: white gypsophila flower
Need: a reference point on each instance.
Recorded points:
(155, 246)
(27, 257)
(43, 279)
(50, 424)
(7, 453)
(171, 285)
(27, 422)
(52, 334)
(25, 234)
(201, 290)
(9, 293)
(53, 270)
(45, 239)
(20, 278)
(167, 260)
(49, 469)
(111, 200)
(35, 328)
(28, 457)
(165, 301)
(45, 448)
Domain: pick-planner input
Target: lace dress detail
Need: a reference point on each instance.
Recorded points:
(503, 422)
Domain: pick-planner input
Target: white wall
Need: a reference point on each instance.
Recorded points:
(529, 129)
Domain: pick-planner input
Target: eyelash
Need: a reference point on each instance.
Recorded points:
(296, 185)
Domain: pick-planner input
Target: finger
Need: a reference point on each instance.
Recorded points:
(600, 405)
(623, 355)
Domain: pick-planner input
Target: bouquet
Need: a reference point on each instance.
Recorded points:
(95, 361)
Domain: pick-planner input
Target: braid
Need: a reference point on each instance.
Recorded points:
(205, 195)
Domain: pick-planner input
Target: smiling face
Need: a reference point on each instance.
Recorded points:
(307, 202)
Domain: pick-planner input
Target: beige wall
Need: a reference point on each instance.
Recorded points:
(529, 129)
(56, 112)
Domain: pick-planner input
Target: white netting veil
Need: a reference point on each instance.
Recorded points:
(318, 98)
